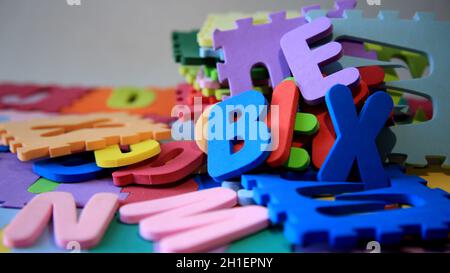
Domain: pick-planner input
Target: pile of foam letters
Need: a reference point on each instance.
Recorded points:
(359, 106)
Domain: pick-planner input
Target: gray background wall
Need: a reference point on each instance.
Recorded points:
(114, 42)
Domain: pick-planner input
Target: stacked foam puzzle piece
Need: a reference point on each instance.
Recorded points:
(279, 121)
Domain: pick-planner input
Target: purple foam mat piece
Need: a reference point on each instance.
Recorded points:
(249, 45)
(83, 191)
(15, 179)
(357, 49)
(340, 6)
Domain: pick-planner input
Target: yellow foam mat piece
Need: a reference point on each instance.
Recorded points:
(189, 72)
(436, 176)
(3, 248)
(112, 156)
(226, 21)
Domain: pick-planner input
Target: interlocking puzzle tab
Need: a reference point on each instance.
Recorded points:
(68, 134)
(304, 62)
(356, 137)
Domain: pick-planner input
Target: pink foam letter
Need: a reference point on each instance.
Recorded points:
(30, 222)
(194, 222)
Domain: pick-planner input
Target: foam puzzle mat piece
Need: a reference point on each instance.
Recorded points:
(436, 176)
(99, 99)
(224, 22)
(17, 177)
(388, 29)
(176, 161)
(112, 156)
(67, 134)
(235, 186)
(43, 185)
(357, 49)
(183, 93)
(186, 50)
(122, 238)
(138, 193)
(83, 192)
(73, 168)
(417, 63)
(41, 98)
(204, 82)
(3, 248)
(14, 115)
(270, 240)
(6, 215)
(247, 37)
(189, 72)
(245, 197)
(304, 62)
(29, 223)
(130, 98)
(356, 136)
(386, 226)
(209, 52)
(4, 149)
(340, 6)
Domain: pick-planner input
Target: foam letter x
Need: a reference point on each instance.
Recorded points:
(356, 137)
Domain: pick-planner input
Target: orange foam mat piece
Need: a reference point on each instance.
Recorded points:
(63, 135)
(97, 101)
